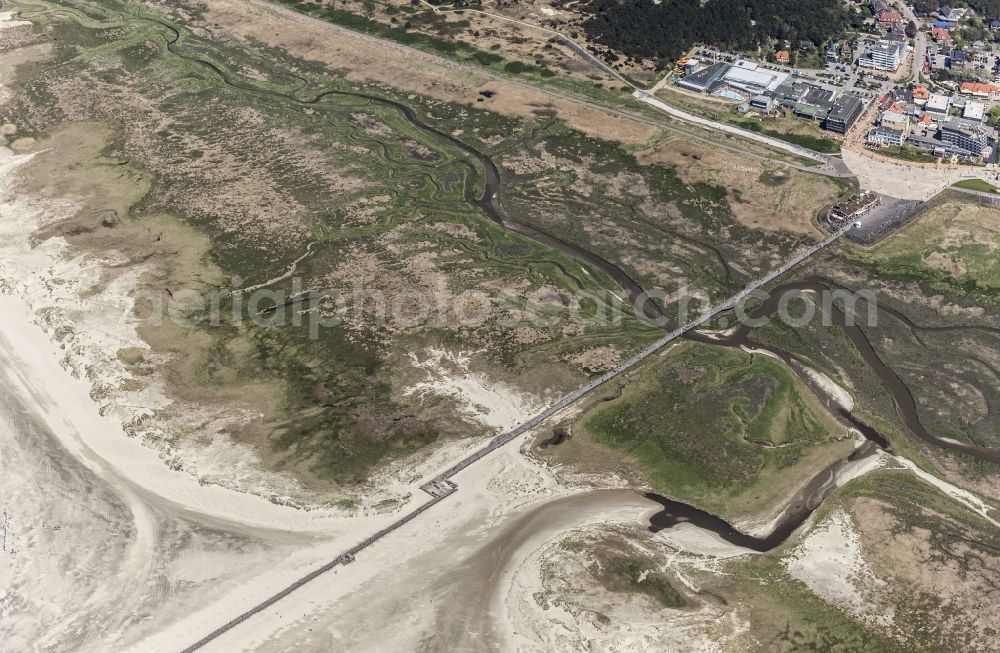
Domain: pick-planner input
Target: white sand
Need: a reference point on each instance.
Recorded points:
(553, 605)
(905, 181)
(763, 352)
(42, 287)
(494, 405)
(59, 347)
(966, 498)
(834, 391)
(829, 562)
(387, 576)
(6, 22)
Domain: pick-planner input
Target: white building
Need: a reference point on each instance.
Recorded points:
(749, 77)
(883, 55)
(885, 136)
(938, 104)
(974, 111)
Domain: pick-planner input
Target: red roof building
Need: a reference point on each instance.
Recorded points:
(979, 90)
(781, 56)
(890, 20)
(940, 35)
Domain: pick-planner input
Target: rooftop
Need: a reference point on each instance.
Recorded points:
(938, 102)
(845, 107)
(703, 78)
(978, 88)
(741, 76)
(885, 131)
(973, 129)
(895, 118)
(974, 111)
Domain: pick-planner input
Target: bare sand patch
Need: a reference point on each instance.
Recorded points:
(943, 261)
(23, 144)
(829, 561)
(495, 405)
(596, 359)
(14, 58)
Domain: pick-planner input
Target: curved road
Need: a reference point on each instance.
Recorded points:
(830, 166)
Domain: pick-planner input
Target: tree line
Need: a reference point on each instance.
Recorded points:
(663, 31)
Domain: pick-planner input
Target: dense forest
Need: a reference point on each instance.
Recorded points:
(986, 9)
(643, 28)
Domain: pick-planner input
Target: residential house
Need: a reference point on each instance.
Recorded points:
(920, 95)
(890, 21)
(950, 15)
(941, 35)
(782, 56)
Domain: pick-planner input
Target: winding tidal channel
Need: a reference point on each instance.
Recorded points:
(487, 200)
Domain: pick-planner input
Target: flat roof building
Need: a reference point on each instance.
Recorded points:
(897, 121)
(843, 113)
(796, 91)
(855, 206)
(763, 102)
(932, 144)
(752, 80)
(938, 103)
(967, 136)
(974, 111)
(703, 80)
(806, 110)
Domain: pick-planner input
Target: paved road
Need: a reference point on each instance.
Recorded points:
(440, 487)
(919, 41)
(797, 150)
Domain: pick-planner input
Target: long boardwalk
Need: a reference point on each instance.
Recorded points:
(440, 487)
